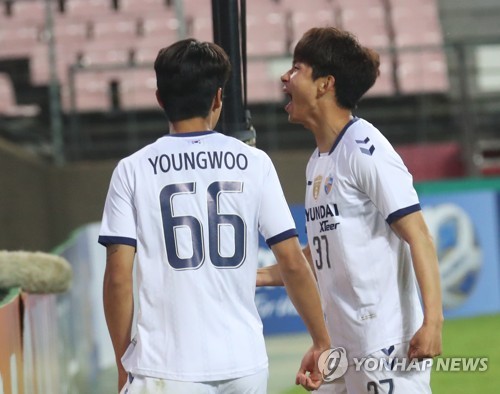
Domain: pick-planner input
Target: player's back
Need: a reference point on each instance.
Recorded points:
(199, 199)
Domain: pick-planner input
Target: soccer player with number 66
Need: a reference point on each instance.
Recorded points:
(189, 208)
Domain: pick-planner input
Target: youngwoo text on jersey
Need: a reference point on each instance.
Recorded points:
(198, 161)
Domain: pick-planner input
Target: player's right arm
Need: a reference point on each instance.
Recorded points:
(303, 292)
(271, 275)
(118, 301)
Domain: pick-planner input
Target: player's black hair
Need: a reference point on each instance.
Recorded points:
(188, 75)
(331, 51)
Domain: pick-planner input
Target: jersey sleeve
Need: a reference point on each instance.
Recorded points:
(387, 182)
(276, 223)
(118, 224)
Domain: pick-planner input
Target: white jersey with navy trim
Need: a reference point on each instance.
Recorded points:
(365, 273)
(193, 205)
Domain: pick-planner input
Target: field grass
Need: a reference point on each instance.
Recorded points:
(475, 337)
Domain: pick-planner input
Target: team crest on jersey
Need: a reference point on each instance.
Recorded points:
(317, 186)
(328, 184)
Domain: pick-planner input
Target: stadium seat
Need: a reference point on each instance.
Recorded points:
(423, 71)
(92, 91)
(416, 23)
(384, 85)
(29, 12)
(142, 7)
(197, 8)
(267, 33)
(307, 14)
(202, 28)
(162, 27)
(138, 86)
(263, 86)
(115, 27)
(8, 106)
(88, 8)
(367, 20)
(18, 38)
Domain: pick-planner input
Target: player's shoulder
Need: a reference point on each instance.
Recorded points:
(365, 141)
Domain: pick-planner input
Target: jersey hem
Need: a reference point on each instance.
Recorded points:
(402, 212)
(198, 377)
(282, 237)
(106, 240)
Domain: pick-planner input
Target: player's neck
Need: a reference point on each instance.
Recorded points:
(190, 125)
(329, 128)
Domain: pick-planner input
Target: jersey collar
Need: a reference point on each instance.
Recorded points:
(192, 133)
(341, 134)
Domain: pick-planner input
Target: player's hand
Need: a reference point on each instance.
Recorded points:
(309, 375)
(426, 343)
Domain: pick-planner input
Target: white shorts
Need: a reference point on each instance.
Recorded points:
(382, 380)
(252, 384)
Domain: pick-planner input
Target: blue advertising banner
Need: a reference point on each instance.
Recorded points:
(465, 227)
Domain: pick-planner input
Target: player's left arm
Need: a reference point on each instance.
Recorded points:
(412, 228)
(118, 301)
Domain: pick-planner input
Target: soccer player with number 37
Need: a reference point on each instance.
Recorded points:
(367, 239)
(189, 207)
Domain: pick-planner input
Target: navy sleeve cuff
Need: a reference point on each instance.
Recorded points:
(282, 236)
(402, 212)
(108, 240)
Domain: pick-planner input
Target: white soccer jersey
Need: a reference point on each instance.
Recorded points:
(192, 205)
(365, 273)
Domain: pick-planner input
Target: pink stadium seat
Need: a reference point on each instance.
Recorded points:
(416, 23)
(266, 34)
(384, 84)
(142, 7)
(18, 38)
(70, 31)
(202, 28)
(423, 71)
(197, 8)
(29, 11)
(88, 8)
(97, 53)
(263, 86)
(304, 20)
(308, 14)
(303, 6)
(115, 27)
(146, 53)
(92, 91)
(138, 88)
(8, 106)
(367, 20)
(147, 48)
(163, 26)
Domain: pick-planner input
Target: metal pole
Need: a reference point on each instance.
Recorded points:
(56, 125)
(179, 14)
(226, 25)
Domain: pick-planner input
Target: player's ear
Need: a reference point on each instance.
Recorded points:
(158, 98)
(217, 99)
